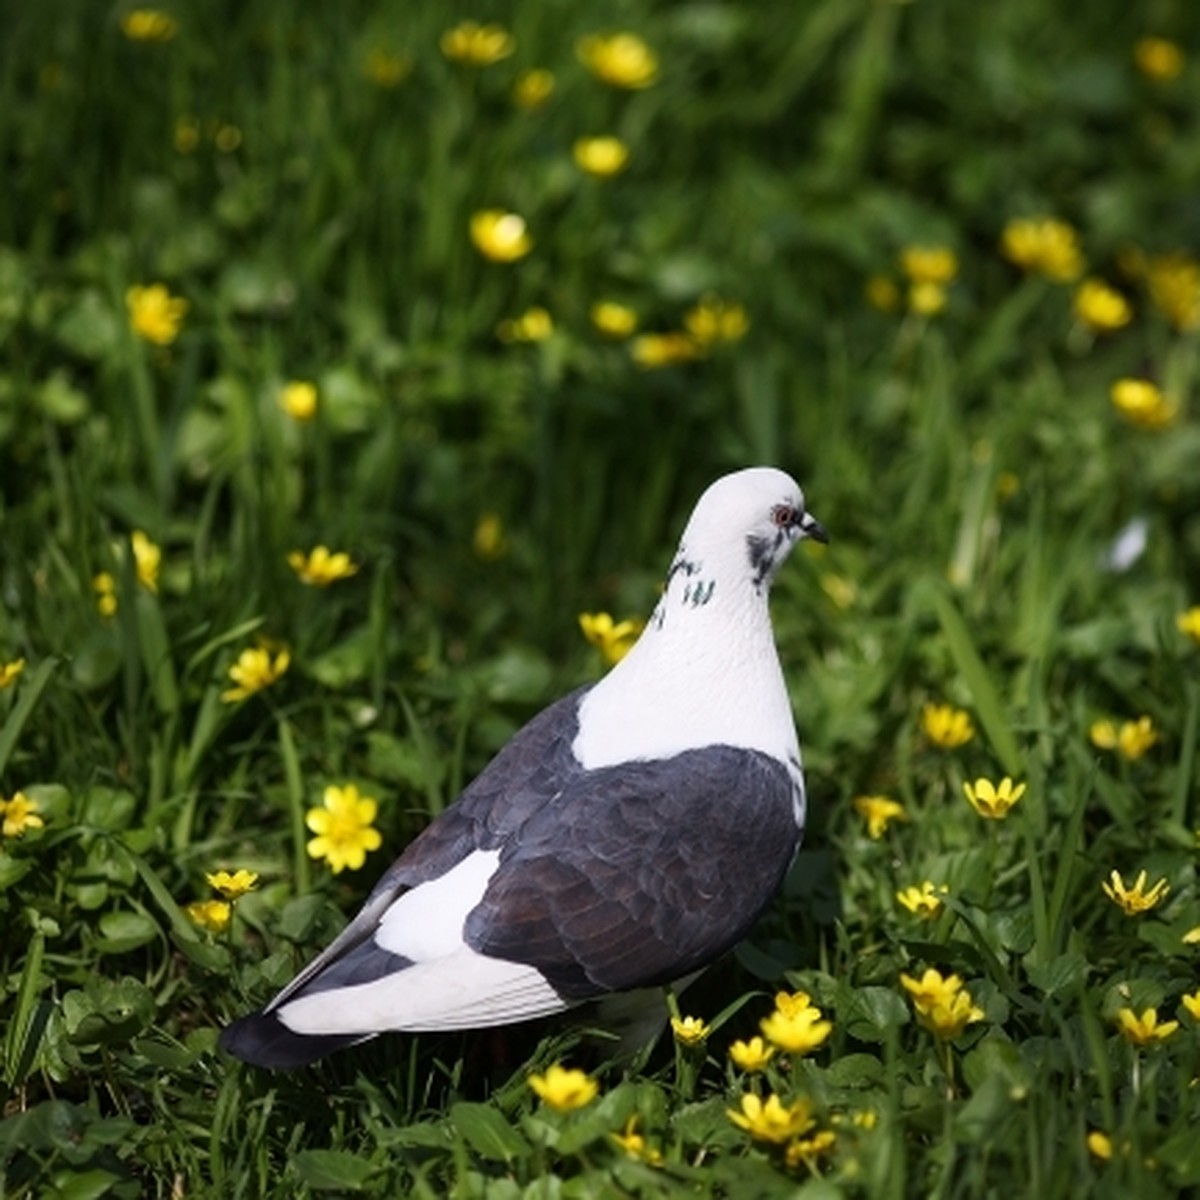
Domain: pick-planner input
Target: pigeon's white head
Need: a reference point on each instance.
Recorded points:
(740, 531)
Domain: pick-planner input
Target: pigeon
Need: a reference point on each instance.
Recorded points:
(624, 839)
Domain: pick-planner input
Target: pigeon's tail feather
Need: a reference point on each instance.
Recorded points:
(263, 1040)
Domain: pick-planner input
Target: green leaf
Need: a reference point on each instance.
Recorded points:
(332, 1170)
(1062, 974)
(121, 932)
(873, 1012)
(488, 1133)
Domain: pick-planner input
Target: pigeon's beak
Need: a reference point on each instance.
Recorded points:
(812, 528)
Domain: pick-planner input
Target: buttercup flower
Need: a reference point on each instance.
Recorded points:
(385, 69)
(926, 299)
(232, 886)
(148, 25)
(1191, 1001)
(924, 901)
(1043, 246)
(1144, 1030)
(533, 88)
(154, 314)
(993, 800)
(1142, 403)
(9, 671)
(1189, 623)
(499, 235)
(320, 567)
(1192, 937)
(634, 1144)
(772, 1120)
(1132, 739)
(612, 319)
(947, 726)
(622, 60)
(613, 639)
(146, 557)
(476, 45)
(942, 1004)
(344, 828)
(489, 540)
(931, 989)
(19, 814)
(533, 325)
(1135, 899)
(802, 1150)
(1100, 1144)
(878, 812)
(651, 350)
(1174, 282)
(601, 156)
(715, 320)
(690, 1031)
(105, 587)
(1101, 308)
(563, 1088)
(796, 1031)
(929, 264)
(299, 399)
(1157, 58)
(256, 668)
(751, 1056)
(212, 915)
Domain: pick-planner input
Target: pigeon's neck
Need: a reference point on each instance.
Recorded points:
(704, 672)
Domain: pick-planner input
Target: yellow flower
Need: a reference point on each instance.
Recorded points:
(563, 1088)
(533, 88)
(320, 568)
(213, 915)
(146, 556)
(926, 299)
(882, 293)
(299, 399)
(1157, 58)
(1192, 937)
(1100, 1144)
(653, 350)
(344, 828)
(232, 886)
(9, 672)
(1143, 404)
(601, 156)
(1191, 1001)
(148, 25)
(802, 1149)
(477, 45)
(499, 235)
(613, 639)
(751, 1056)
(1174, 282)
(1144, 1030)
(923, 901)
(879, 812)
(797, 1032)
(1101, 308)
(105, 588)
(715, 320)
(942, 1004)
(622, 60)
(791, 1004)
(533, 325)
(772, 1120)
(947, 726)
(254, 670)
(1136, 899)
(993, 800)
(154, 314)
(19, 814)
(1132, 738)
(386, 70)
(489, 540)
(1043, 246)
(1189, 623)
(690, 1031)
(634, 1144)
(612, 319)
(929, 264)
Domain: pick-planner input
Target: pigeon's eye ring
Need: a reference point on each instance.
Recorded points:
(784, 515)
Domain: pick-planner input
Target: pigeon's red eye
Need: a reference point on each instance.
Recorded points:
(783, 515)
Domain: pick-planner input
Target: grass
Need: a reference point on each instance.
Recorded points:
(968, 461)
